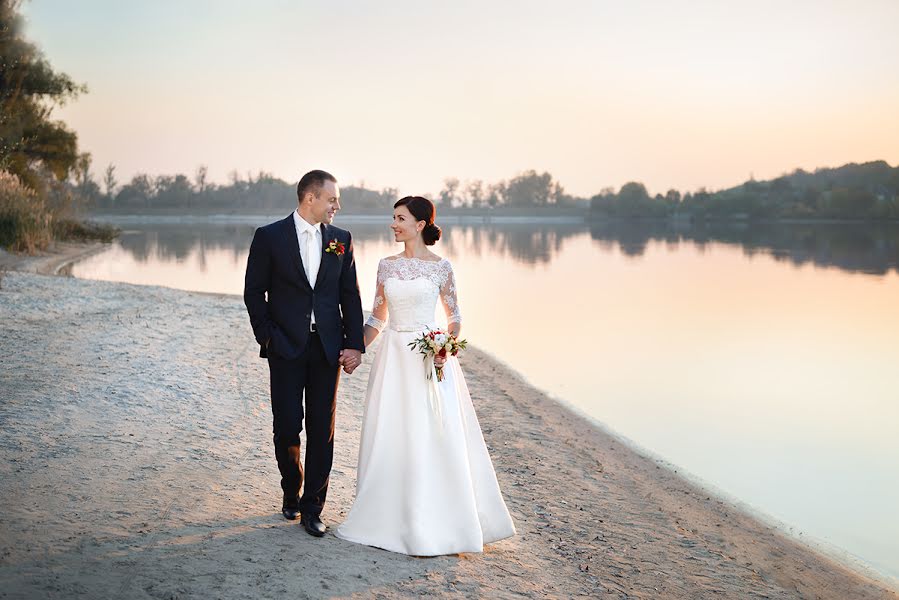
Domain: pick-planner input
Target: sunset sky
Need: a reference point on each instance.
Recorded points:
(404, 94)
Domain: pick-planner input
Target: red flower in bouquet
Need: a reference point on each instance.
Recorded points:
(335, 247)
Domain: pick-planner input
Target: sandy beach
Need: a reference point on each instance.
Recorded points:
(137, 463)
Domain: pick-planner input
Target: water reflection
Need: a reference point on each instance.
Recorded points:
(178, 242)
(872, 249)
(852, 247)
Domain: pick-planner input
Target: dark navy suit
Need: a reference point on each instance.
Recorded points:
(303, 364)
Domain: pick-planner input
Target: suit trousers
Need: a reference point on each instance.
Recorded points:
(304, 389)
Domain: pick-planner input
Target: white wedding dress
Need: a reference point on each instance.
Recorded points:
(425, 484)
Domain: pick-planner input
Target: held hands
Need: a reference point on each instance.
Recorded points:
(349, 359)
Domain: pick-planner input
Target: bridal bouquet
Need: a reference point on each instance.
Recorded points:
(437, 343)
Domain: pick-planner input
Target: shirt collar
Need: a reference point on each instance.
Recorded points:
(303, 225)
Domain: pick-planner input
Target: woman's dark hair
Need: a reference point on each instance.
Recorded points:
(423, 210)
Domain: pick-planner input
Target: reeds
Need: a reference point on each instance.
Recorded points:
(26, 224)
(29, 223)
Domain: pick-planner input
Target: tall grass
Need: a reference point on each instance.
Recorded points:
(29, 222)
(26, 225)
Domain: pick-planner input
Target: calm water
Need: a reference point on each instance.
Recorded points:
(763, 360)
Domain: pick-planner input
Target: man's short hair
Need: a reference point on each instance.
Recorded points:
(313, 181)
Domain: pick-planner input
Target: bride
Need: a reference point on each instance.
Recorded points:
(425, 483)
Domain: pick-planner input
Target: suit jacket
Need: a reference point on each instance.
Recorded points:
(280, 299)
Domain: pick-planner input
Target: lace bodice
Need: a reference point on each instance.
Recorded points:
(408, 290)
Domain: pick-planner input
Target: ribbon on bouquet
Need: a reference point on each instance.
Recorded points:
(434, 398)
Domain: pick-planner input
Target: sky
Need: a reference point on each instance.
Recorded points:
(405, 94)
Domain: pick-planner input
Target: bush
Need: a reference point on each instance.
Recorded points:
(83, 231)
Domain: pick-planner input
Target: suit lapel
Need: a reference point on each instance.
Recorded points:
(325, 229)
(293, 246)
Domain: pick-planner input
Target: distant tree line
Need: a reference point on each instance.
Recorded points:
(251, 193)
(853, 191)
(262, 192)
(529, 189)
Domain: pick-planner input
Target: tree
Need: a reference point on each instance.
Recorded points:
(85, 185)
(200, 179)
(635, 201)
(474, 193)
(557, 194)
(173, 191)
(633, 192)
(389, 196)
(496, 194)
(137, 192)
(603, 203)
(109, 181)
(447, 196)
(530, 189)
(237, 184)
(29, 91)
(82, 169)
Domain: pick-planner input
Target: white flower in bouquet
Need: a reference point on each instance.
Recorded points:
(431, 343)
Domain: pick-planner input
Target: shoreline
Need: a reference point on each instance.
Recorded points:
(56, 260)
(596, 514)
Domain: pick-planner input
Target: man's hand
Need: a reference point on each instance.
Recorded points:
(349, 359)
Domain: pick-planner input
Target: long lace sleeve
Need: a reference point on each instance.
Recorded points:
(449, 299)
(378, 317)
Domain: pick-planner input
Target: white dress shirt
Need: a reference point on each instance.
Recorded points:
(309, 238)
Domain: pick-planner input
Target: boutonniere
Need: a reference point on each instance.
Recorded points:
(335, 247)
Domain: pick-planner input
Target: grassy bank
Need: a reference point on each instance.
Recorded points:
(29, 222)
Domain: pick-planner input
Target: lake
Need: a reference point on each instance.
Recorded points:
(762, 360)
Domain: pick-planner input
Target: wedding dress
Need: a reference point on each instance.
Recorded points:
(425, 484)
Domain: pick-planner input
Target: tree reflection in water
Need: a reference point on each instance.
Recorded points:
(872, 249)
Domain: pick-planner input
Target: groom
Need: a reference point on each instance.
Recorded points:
(303, 299)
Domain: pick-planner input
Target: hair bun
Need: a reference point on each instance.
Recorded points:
(422, 209)
(430, 234)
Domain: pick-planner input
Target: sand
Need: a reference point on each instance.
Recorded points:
(137, 463)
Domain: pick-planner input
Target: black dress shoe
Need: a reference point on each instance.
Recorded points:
(290, 509)
(313, 525)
